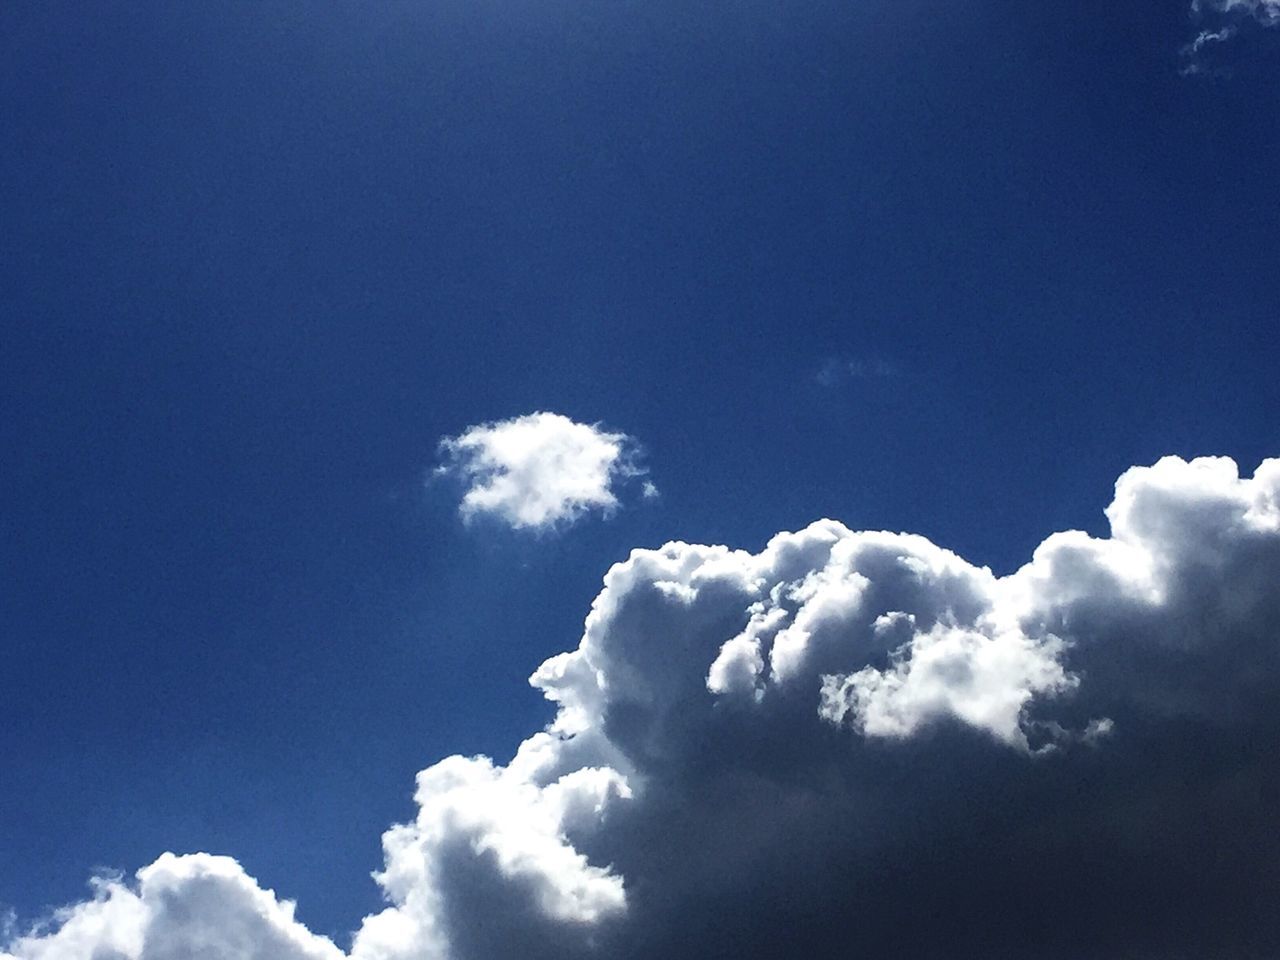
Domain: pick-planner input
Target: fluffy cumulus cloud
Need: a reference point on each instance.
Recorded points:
(539, 470)
(849, 743)
(181, 908)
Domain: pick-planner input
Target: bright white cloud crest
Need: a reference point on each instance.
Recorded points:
(181, 908)
(539, 470)
(746, 745)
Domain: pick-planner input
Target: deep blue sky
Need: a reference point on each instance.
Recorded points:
(259, 257)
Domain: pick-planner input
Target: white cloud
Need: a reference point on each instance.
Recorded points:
(1267, 11)
(181, 908)
(846, 743)
(984, 681)
(489, 841)
(540, 470)
(1225, 17)
(1206, 37)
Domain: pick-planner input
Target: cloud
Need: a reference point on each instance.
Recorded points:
(539, 470)
(491, 842)
(1193, 52)
(1226, 17)
(846, 743)
(181, 908)
(1266, 11)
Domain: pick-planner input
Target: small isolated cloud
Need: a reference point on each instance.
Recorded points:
(849, 743)
(540, 470)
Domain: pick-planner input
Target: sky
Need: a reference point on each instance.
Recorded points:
(349, 350)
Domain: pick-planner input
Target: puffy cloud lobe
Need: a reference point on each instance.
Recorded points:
(539, 470)
(984, 681)
(490, 843)
(195, 906)
(947, 656)
(853, 742)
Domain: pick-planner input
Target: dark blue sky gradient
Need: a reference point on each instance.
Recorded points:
(258, 257)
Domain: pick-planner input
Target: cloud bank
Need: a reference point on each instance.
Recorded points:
(848, 742)
(540, 470)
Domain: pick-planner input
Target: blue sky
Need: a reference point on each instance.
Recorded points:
(940, 268)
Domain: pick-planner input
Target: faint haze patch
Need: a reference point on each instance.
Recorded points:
(840, 370)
